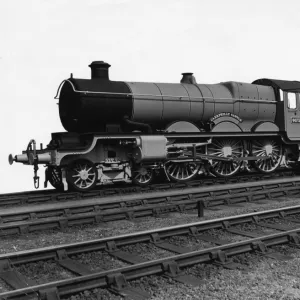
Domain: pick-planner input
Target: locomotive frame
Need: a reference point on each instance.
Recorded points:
(123, 132)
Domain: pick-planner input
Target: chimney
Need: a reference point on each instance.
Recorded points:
(99, 70)
(188, 78)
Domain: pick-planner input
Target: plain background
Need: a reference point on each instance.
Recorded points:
(43, 41)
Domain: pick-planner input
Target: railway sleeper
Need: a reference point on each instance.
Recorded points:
(261, 248)
(118, 285)
(172, 270)
(49, 294)
(294, 240)
(72, 265)
(171, 267)
(12, 277)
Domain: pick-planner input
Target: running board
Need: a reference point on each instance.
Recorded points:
(209, 157)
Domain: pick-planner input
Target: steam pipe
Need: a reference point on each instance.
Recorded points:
(138, 125)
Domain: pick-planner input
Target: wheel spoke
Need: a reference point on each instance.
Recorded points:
(270, 148)
(143, 176)
(182, 171)
(83, 175)
(76, 180)
(225, 148)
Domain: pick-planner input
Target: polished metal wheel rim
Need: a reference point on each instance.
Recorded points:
(142, 175)
(83, 175)
(181, 171)
(227, 148)
(270, 148)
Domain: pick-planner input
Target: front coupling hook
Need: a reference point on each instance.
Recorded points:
(33, 160)
(36, 179)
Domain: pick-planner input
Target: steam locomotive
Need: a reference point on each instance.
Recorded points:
(130, 131)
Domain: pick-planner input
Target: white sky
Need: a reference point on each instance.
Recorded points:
(43, 41)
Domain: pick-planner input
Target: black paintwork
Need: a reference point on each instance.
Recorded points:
(285, 85)
(101, 105)
(80, 112)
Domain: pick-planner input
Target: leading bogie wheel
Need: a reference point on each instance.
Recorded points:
(271, 151)
(228, 149)
(54, 177)
(82, 175)
(142, 175)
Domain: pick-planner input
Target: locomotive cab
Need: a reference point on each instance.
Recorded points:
(292, 113)
(288, 112)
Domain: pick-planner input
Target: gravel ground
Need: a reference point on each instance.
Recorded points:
(88, 232)
(99, 261)
(148, 251)
(266, 279)
(189, 242)
(44, 271)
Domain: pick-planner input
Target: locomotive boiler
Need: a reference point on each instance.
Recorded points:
(130, 131)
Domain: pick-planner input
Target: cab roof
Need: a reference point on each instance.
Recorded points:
(285, 85)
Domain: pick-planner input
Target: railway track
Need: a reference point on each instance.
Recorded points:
(46, 196)
(25, 219)
(186, 245)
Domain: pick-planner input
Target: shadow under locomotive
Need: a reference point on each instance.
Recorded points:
(130, 131)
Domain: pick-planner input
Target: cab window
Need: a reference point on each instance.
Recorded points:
(292, 104)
